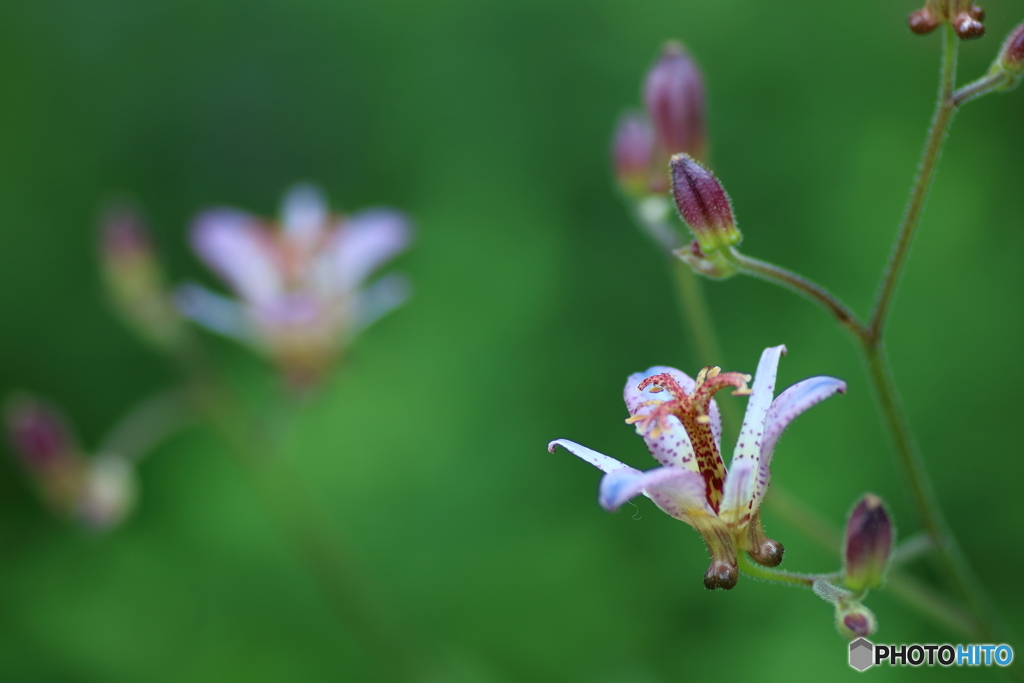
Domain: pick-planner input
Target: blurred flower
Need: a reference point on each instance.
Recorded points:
(300, 289)
(98, 492)
(135, 279)
(868, 544)
(683, 433)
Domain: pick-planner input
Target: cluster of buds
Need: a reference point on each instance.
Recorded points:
(97, 492)
(963, 15)
(299, 289)
(136, 280)
(674, 122)
(675, 111)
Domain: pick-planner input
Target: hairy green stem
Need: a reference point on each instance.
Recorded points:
(751, 568)
(944, 110)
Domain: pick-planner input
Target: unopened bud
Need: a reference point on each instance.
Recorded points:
(868, 544)
(47, 451)
(1011, 56)
(854, 620)
(703, 204)
(675, 102)
(135, 279)
(37, 433)
(632, 148)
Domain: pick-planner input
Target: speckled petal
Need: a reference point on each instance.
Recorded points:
(304, 213)
(680, 493)
(748, 445)
(790, 404)
(672, 447)
(240, 250)
(738, 492)
(598, 460)
(365, 241)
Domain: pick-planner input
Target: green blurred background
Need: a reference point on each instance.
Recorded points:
(534, 298)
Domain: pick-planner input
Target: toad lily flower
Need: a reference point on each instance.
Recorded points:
(683, 432)
(300, 290)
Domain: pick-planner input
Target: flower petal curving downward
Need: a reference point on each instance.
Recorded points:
(786, 408)
(598, 460)
(678, 492)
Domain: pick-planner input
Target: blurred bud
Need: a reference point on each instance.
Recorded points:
(37, 433)
(675, 102)
(854, 620)
(108, 492)
(46, 449)
(868, 544)
(135, 279)
(703, 204)
(963, 15)
(923, 21)
(968, 24)
(632, 147)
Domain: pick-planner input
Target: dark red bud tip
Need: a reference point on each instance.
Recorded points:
(966, 26)
(37, 432)
(721, 574)
(675, 102)
(922, 21)
(703, 204)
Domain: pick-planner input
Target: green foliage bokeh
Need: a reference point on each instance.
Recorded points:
(535, 297)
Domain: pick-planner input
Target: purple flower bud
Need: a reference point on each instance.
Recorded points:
(675, 101)
(703, 204)
(868, 543)
(632, 147)
(1011, 56)
(37, 433)
(135, 279)
(854, 620)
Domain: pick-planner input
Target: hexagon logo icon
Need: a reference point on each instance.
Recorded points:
(861, 654)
